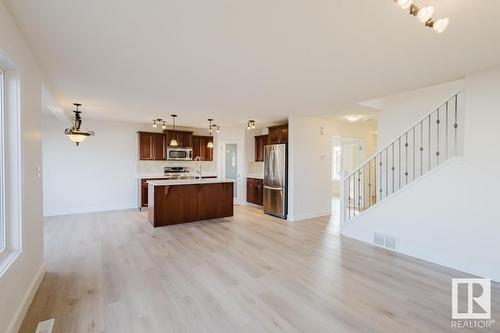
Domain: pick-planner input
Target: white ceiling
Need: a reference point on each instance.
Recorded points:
(259, 59)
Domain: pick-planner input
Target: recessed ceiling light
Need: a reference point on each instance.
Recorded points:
(353, 118)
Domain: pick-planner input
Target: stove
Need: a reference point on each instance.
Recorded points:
(177, 173)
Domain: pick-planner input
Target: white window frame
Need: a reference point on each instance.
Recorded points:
(3, 232)
(10, 175)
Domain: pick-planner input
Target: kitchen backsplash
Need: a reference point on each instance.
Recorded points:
(156, 167)
(255, 168)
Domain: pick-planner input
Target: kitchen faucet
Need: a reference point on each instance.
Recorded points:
(198, 169)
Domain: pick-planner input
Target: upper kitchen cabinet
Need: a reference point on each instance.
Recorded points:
(184, 138)
(151, 146)
(200, 148)
(260, 142)
(278, 134)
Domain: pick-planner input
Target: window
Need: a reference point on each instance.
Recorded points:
(10, 170)
(336, 162)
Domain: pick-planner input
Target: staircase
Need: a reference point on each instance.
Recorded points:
(433, 140)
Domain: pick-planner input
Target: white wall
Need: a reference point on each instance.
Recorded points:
(310, 162)
(449, 217)
(101, 173)
(19, 282)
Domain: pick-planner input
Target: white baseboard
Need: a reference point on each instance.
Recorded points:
(89, 209)
(18, 318)
(307, 216)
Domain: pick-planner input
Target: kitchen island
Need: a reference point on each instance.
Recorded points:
(189, 200)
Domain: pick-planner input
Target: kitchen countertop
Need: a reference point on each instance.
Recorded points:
(162, 176)
(188, 181)
(255, 176)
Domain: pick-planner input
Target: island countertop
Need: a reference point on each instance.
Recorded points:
(169, 182)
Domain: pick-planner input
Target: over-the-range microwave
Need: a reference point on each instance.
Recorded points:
(179, 154)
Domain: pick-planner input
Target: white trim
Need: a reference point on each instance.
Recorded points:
(308, 216)
(21, 311)
(3, 229)
(90, 209)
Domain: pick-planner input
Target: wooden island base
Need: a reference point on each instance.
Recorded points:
(183, 203)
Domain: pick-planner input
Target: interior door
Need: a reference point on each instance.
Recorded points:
(232, 166)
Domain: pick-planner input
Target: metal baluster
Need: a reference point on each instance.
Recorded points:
(393, 168)
(399, 163)
(354, 192)
(349, 196)
(437, 126)
(414, 155)
(447, 124)
(406, 158)
(455, 126)
(421, 148)
(429, 143)
(386, 173)
(364, 186)
(380, 171)
(369, 184)
(359, 191)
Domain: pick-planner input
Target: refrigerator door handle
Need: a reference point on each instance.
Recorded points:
(273, 188)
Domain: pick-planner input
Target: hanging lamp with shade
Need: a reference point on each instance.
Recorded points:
(210, 143)
(75, 133)
(173, 142)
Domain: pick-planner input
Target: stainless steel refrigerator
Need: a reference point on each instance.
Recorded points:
(275, 180)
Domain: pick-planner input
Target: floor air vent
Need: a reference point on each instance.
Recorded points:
(386, 241)
(45, 326)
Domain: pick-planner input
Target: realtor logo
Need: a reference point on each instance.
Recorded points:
(471, 299)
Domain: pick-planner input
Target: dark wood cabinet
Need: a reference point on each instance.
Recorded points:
(278, 134)
(151, 146)
(255, 191)
(188, 203)
(200, 148)
(183, 138)
(143, 191)
(260, 142)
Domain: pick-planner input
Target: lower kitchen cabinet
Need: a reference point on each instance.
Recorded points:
(143, 190)
(255, 191)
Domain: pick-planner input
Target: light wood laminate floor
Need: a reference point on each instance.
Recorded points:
(112, 272)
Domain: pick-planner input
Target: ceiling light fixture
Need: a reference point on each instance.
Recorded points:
(424, 15)
(251, 125)
(353, 118)
(440, 25)
(404, 4)
(173, 142)
(210, 143)
(159, 121)
(75, 133)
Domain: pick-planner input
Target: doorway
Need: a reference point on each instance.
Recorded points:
(347, 154)
(232, 166)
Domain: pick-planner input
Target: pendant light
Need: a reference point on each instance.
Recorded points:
(74, 133)
(251, 125)
(210, 143)
(173, 142)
